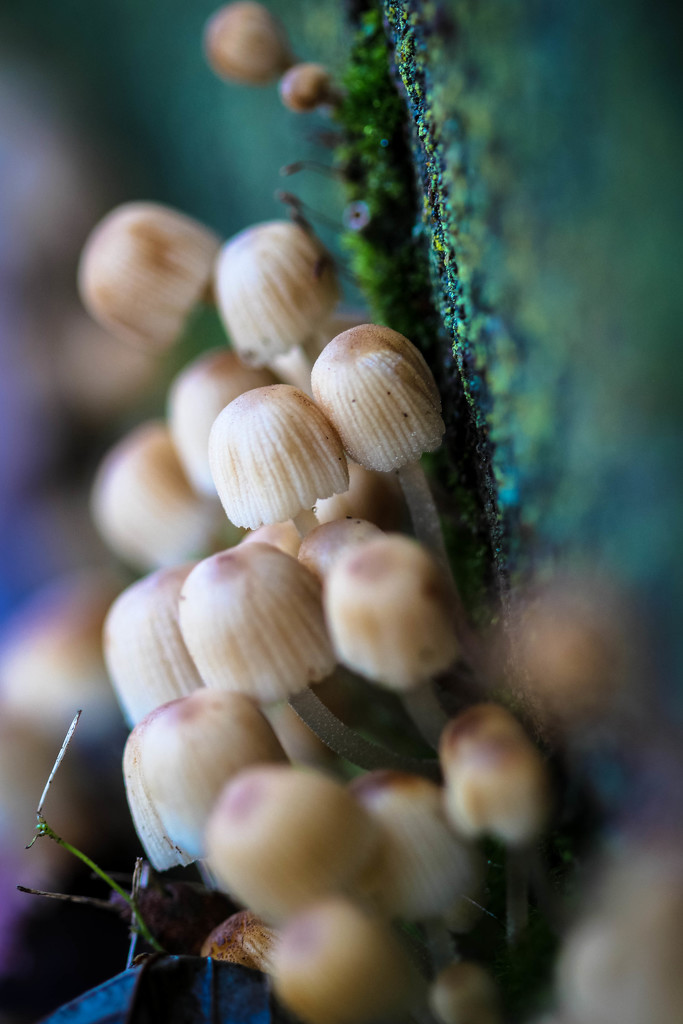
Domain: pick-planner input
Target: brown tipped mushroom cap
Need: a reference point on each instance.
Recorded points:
(334, 964)
(377, 389)
(145, 653)
(187, 750)
(324, 544)
(423, 869)
(275, 286)
(245, 43)
(272, 452)
(465, 993)
(196, 397)
(387, 609)
(307, 86)
(496, 781)
(143, 269)
(374, 496)
(143, 505)
(280, 838)
(252, 620)
(242, 939)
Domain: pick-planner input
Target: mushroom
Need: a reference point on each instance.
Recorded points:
(272, 453)
(304, 87)
(143, 269)
(245, 43)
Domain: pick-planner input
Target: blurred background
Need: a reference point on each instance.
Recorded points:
(99, 104)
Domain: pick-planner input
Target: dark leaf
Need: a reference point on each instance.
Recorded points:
(176, 990)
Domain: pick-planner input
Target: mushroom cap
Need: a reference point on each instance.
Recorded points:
(190, 748)
(377, 389)
(387, 608)
(275, 287)
(252, 620)
(145, 653)
(245, 43)
(143, 269)
(496, 780)
(196, 397)
(324, 544)
(335, 964)
(272, 453)
(280, 838)
(143, 504)
(306, 86)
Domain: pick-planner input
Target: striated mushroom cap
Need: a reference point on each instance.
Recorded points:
(252, 620)
(143, 269)
(197, 395)
(275, 287)
(185, 752)
(145, 653)
(272, 453)
(377, 389)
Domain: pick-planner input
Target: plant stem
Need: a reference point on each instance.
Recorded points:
(43, 829)
(350, 745)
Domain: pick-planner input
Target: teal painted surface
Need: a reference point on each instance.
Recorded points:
(549, 141)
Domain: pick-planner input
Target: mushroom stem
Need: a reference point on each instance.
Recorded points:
(350, 745)
(429, 717)
(517, 892)
(427, 526)
(305, 521)
(293, 367)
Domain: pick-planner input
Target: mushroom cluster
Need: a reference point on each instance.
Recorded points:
(330, 588)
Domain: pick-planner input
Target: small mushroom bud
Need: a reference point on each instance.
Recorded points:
(336, 965)
(143, 505)
(323, 545)
(388, 613)
(142, 271)
(280, 838)
(423, 869)
(252, 620)
(307, 86)
(243, 939)
(245, 43)
(377, 389)
(464, 993)
(51, 659)
(275, 286)
(145, 653)
(373, 496)
(184, 753)
(284, 536)
(496, 780)
(196, 397)
(272, 452)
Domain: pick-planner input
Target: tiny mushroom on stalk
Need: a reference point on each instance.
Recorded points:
(307, 86)
(272, 453)
(143, 504)
(279, 838)
(143, 270)
(177, 760)
(496, 780)
(335, 964)
(252, 620)
(424, 869)
(145, 653)
(197, 395)
(275, 287)
(245, 43)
